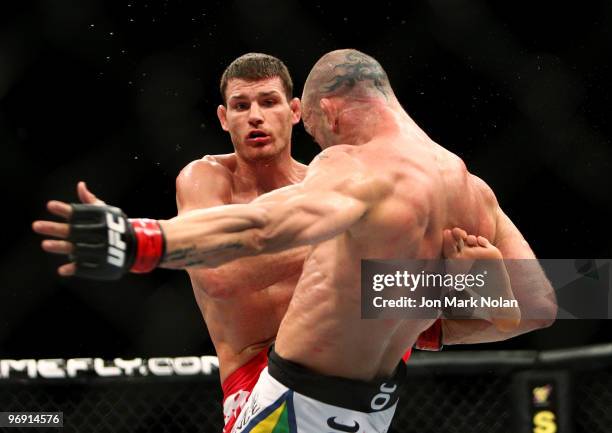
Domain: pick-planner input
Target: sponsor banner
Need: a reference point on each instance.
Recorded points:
(98, 367)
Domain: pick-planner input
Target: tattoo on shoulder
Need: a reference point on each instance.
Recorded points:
(358, 68)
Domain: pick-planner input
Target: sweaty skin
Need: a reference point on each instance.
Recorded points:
(390, 194)
(389, 197)
(243, 301)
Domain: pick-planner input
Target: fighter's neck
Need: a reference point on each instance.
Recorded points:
(378, 123)
(270, 174)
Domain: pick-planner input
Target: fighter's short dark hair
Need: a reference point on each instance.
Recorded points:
(254, 67)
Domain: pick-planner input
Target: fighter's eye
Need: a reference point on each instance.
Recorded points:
(241, 106)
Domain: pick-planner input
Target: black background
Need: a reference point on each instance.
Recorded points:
(123, 95)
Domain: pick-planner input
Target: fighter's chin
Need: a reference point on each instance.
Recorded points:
(262, 153)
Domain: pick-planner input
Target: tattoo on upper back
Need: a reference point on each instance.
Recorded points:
(358, 68)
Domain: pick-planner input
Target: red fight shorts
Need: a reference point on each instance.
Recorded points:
(238, 386)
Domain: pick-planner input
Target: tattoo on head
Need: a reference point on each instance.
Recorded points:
(358, 68)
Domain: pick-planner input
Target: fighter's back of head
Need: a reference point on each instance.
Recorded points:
(346, 73)
(254, 67)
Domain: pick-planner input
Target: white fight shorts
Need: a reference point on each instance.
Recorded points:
(289, 398)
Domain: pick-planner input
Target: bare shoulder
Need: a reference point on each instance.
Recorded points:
(341, 168)
(202, 183)
(227, 160)
(334, 152)
(336, 158)
(209, 168)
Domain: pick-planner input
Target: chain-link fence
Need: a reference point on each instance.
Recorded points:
(454, 392)
(141, 406)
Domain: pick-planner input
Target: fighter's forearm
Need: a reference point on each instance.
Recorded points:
(111, 245)
(532, 290)
(212, 237)
(474, 331)
(530, 285)
(537, 307)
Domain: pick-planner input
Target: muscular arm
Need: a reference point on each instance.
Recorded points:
(204, 184)
(335, 194)
(528, 281)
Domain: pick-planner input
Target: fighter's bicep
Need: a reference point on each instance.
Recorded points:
(312, 217)
(485, 192)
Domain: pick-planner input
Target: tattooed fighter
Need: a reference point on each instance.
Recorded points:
(381, 188)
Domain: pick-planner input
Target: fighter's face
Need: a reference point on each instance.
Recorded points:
(258, 117)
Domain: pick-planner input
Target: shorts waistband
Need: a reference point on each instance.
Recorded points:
(357, 395)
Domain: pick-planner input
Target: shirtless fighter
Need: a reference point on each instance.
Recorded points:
(243, 301)
(380, 189)
(258, 111)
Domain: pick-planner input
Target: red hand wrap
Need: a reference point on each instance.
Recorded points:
(431, 338)
(150, 248)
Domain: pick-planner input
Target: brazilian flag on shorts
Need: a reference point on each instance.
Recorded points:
(279, 417)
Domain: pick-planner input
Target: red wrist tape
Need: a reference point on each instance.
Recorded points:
(150, 244)
(431, 338)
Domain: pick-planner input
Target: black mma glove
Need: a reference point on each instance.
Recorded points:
(107, 244)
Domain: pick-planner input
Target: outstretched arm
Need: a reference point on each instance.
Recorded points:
(336, 193)
(334, 196)
(530, 285)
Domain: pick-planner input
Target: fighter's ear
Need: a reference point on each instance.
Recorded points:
(296, 110)
(222, 115)
(330, 111)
